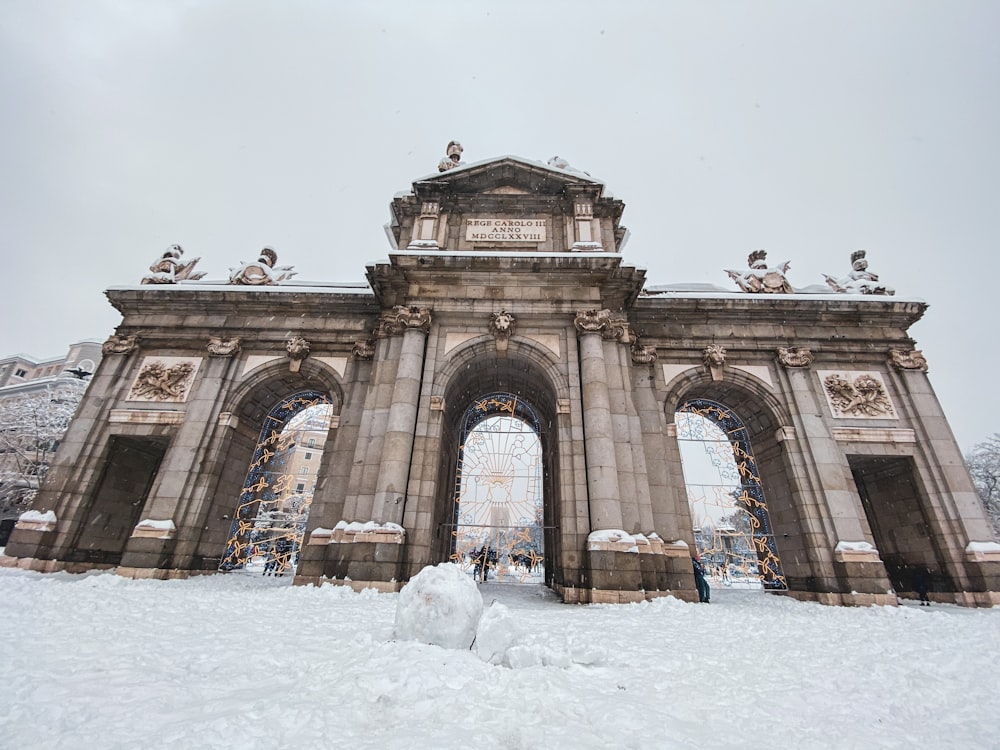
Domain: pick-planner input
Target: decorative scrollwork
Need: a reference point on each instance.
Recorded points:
(795, 356)
(643, 355)
(119, 344)
(363, 349)
(220, 347)
(911, 360)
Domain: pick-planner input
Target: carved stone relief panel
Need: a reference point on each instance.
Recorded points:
(164, 380)
(857, 394)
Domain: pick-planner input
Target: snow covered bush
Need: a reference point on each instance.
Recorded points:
(440, 605)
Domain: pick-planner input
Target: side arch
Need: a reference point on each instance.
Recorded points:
(765, 420)
(238, 434)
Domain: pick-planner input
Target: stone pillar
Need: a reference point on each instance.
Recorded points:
(394, 468)
(602, 468)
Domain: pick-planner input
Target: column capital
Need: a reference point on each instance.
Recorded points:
(402, 318)
(609, 325)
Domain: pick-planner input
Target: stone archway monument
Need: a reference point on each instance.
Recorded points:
(507, 276)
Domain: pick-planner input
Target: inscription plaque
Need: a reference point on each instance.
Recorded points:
(506, 230)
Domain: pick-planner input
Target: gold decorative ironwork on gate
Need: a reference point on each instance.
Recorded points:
(497, 528)
(732, 528)
(270, 518)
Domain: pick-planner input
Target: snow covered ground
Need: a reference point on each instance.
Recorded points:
(231, 661)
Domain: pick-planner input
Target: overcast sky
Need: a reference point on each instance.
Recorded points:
(808, 129)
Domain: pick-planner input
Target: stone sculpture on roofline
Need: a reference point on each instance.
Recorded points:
(761, 279)
(262, 271)
(860, 280)
(453, 158)
(168, 268)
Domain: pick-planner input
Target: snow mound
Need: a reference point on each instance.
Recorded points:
(854, 547)
(972, 546)
(501, 640)
(497, 632)
(35, 516)
(440, 605)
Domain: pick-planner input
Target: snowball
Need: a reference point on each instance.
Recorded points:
(440, 605)
(497, 632)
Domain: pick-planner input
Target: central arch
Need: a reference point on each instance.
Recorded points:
(499, 504)
(482, 385)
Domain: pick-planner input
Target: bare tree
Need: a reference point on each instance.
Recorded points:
(984, 465)
(31, 427)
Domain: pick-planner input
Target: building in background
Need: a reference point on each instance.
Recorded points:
(37, 401)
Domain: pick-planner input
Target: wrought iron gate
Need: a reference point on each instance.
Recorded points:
(497, 528)
(270, 518)
(732, 527)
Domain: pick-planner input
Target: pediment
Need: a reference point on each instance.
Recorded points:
(509, 175)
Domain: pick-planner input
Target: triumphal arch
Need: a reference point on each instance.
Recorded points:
(506, 392)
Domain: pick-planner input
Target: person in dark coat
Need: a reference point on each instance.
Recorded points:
(704, 592)
(921, 584)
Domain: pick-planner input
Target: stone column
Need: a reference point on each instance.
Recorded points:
(394, 469)
(602, 467)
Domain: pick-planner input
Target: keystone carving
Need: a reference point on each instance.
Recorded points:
(364, 349)
(502, 326)
(795, 357)
(402, 317)
(261, 272)
(860, 280)
(298, 349)
(714, 358)
(865, 397)
(220, 347)
(168, 268)
(761, 279)
(911, 360)
(643, 355)
(119, 344)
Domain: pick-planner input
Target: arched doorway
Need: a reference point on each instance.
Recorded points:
(497, 527)
(273, 506)
(732, 525)
(522, 386)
